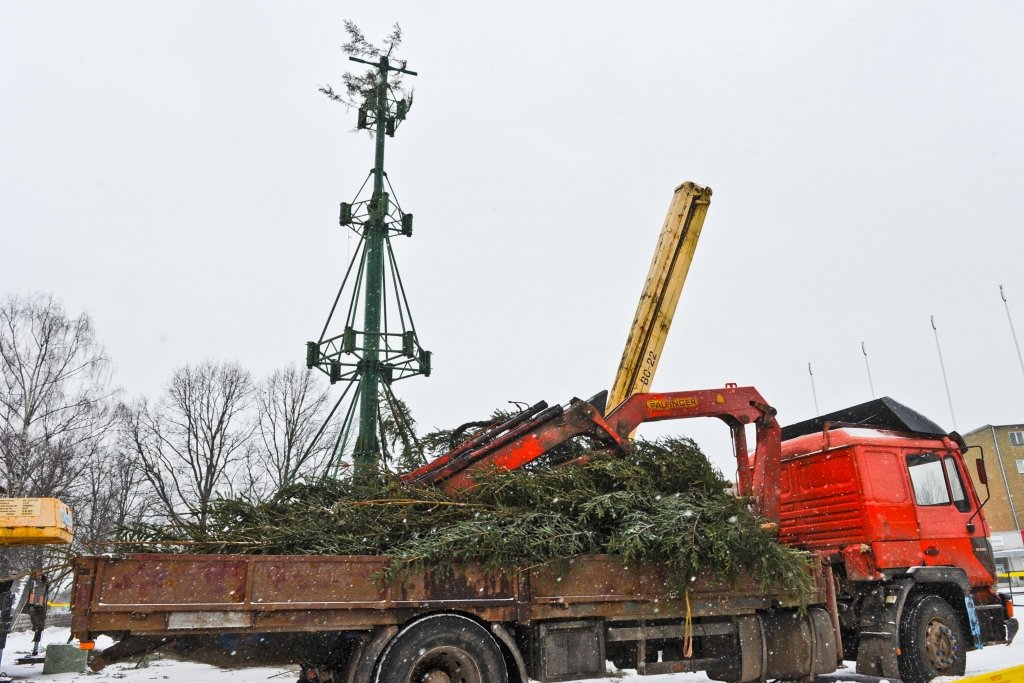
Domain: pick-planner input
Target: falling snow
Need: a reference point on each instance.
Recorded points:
(161, 669)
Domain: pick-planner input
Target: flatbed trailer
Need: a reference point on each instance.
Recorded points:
(560, 622)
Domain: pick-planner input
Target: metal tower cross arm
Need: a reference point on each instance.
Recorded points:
(384, 63)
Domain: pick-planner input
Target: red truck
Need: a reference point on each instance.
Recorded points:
(557, 625)
(884, 495)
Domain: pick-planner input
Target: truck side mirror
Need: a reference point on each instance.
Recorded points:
(979, 465)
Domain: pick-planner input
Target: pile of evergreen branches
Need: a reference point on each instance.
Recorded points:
(663, 502)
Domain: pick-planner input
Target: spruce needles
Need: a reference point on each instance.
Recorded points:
(663, 502)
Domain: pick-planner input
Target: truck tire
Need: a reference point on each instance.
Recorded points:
(932, 642)
(445, 648)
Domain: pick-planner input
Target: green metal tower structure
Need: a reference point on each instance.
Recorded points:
(385, 348)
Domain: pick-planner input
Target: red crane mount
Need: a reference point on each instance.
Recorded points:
(536, 431)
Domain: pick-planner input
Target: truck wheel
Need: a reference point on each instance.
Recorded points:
(446, 648)
(931, 640)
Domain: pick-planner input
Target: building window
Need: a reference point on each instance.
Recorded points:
(1020, 466)
(1017, 438)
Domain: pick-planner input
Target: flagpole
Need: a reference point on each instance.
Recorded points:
(945, 380)
(1013, 332)
(814, 391)
(868, 367)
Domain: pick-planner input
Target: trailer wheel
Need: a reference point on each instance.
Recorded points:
(446, 648)
(931, 640)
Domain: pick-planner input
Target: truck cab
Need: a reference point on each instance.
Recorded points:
(884, 494)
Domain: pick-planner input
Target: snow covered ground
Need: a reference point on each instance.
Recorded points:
(989, 659)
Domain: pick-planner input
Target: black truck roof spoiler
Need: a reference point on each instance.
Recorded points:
(881, 413)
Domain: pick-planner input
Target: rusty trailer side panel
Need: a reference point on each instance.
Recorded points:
(606, 586)
(162, 594)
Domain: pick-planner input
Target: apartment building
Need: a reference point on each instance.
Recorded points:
(1003, 446)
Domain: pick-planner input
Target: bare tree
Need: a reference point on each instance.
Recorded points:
(291, 411)
(55, 412)
(117, 495)
(54, 396)
(193, 442)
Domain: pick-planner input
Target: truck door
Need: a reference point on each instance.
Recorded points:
(943, 509)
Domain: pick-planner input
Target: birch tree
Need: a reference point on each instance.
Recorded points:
(55, 397)
(56, 416)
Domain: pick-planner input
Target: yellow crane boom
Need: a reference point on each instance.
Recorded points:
(669, 267)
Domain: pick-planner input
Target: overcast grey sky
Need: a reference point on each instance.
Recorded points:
(170, 168)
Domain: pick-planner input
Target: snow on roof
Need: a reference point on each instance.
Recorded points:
(869, 432)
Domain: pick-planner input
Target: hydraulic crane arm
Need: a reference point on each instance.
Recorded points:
(664, 284)
(737, 407)
(517, 442)
(538, 430)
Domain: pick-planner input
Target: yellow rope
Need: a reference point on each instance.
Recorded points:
(688, 629)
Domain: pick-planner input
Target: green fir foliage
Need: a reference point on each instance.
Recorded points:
(663, 502)
(359, 87)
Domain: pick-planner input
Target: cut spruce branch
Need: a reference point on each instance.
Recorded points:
(661, 503)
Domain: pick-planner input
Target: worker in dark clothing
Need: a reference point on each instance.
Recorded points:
(35, 606)
(6, 612)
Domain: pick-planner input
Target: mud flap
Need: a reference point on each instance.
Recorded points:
(876, 654)
(879, 630)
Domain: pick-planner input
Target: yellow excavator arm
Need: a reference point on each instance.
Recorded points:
(671, 263)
